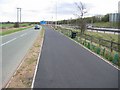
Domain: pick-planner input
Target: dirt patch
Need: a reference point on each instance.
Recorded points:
(24, 75)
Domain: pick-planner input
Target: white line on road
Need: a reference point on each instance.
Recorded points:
(8, 41)
(23, 34)
(38, 59)
(14, 33)
(13, 39)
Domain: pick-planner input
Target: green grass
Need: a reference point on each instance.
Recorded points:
(12, 31)
(24, 24)
(6, 25)
(12, 25)
(106, 36)
(106, 24)
(113, 56)
(102, 24)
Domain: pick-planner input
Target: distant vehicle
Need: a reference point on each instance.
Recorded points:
(37, 27)
(90, 26)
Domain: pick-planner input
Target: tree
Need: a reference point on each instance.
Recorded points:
(16, 25)
(106, 18)
(82, 11)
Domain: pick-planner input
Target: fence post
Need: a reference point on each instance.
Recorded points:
(111, 46)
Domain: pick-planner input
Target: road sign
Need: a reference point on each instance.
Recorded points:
(43, 22)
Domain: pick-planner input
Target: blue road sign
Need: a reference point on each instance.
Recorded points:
(43, 22)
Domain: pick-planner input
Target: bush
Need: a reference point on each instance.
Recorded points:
(98, 50)
(88, 45)
(93, 47)
(116, 59)
(16, 25)
(106, 55)
(103, 53)
(110, 57)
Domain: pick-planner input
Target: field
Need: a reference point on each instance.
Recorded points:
(13, 30)
(6, 25)
(8, 28)
(11, 25)
(106, 24)
(111, 37)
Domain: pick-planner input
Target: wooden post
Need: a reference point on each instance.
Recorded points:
(111, 46)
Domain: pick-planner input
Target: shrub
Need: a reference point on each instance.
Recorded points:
(116, 59)
(98, 50)
(16, 25)
(103, 53)
(88, 45)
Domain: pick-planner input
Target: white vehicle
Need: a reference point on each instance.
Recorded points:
(37, 27)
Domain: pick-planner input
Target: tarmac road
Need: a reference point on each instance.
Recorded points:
(14, 47)
(65, 64)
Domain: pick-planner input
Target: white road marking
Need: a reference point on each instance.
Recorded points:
(14, 39)
(23, 34)
(15, 33)
(38, 59)
(8, 41)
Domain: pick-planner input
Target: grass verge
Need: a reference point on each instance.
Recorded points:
(102, 24)
(24, 75)
(107, 36)
(13, 30)
(107, 24)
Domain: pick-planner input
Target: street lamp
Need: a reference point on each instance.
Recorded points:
(18, 10)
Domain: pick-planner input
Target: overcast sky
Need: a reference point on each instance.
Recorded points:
(37, 10)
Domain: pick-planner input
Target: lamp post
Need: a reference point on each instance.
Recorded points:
(18, 14)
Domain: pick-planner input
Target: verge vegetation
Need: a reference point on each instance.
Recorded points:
(13, 30)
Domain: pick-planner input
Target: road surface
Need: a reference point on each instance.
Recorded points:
(101, 30)
(65, 64)
(14, 47)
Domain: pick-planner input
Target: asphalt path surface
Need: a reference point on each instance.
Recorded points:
(65, 64)
(14, 47)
